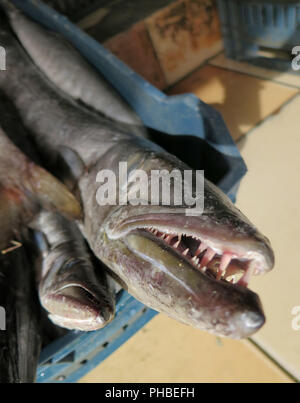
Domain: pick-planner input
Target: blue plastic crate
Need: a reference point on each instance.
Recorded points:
(261, 32)
(70, 357)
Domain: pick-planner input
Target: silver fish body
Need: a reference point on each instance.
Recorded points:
(75, 296)
(77, 78)
(174, 263)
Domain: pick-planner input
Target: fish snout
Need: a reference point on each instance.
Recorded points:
(248, 323)
(75, 308)
(250, 317)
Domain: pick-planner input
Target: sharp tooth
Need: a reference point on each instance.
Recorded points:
(209, 255)
(168, 239)
(201, 248)
(225, 260)
(185, 252)
(203, 269)
(195, 260)
(177, 244)
(155, 232)
(244, 281)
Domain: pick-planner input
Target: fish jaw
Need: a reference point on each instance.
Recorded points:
(168, 283)
(76, 308)
(221, 228)
(194, 269)
(204, 233)
(73, 296)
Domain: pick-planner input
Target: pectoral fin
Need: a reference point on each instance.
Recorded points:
(53, 195)
(20, 203)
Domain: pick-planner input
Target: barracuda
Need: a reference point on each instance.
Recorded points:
(194, 269)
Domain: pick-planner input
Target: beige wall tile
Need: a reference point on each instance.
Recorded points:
(247, 68)
(184, 35)
(244, 101)
(166, 351)
(269, 196)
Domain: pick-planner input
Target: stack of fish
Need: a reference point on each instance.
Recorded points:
(60, 125)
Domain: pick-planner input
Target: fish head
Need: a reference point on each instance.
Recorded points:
(72, 299)
(76, 308)
(195, 267)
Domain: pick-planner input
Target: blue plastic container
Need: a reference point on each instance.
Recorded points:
(199, 134)
(261, 32)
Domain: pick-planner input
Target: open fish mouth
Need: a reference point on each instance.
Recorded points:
(193, 273)
(220, 266)
(221, 254)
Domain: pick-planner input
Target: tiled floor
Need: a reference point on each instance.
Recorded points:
(288, 79)
(264, 108)
(270, 196)
(243, 100)
(167, 351)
